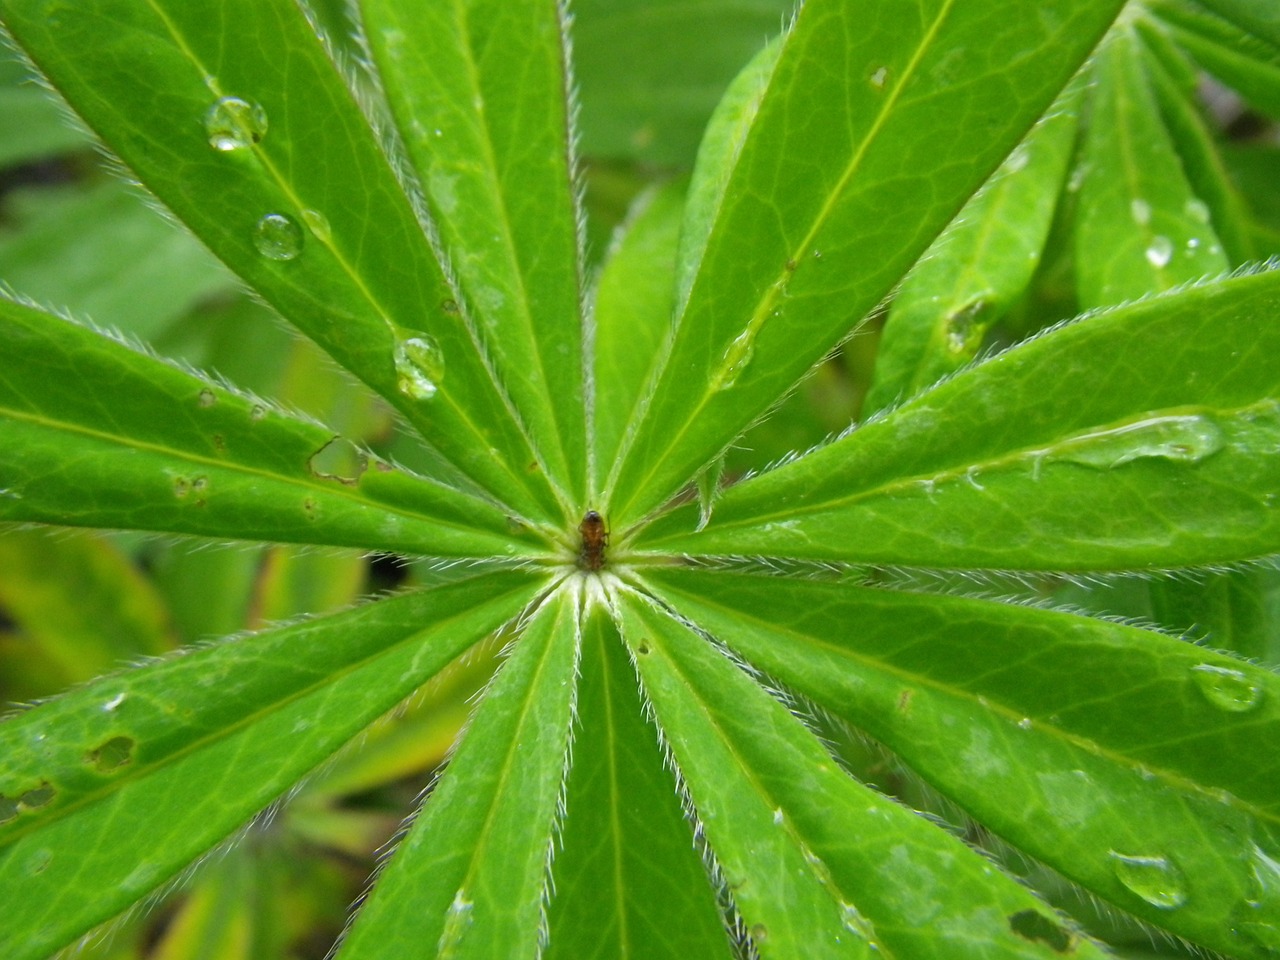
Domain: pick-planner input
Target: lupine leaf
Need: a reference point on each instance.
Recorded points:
(468, 878)
(111, 790)
(1046, 739)
(884, 122)
(257, 145)
(225, 466)
(1140, 437)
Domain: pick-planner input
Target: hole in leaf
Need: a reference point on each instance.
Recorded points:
(112, 755)
(340, 460)
(8, 808)
(642, 648)
(1036, 927)
(38, 796)
(386, 572)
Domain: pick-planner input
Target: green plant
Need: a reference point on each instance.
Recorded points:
(1113, 760)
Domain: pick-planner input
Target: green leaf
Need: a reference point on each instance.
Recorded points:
(1140, 766)
(1247, 63)
(1140, 437)
(80, 602)
(818, 864)
(628, 881)
(158, 448)
(1139, 227)
(111, 790)
(256, 144)
(1176, 84)
(101, 253)
(468, 880)
(978, 267)
(884, 122)
(479, 92)
(633, 302)
(1259, 17)
(650, 72)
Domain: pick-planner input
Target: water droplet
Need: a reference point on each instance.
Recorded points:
(111, 705)
(318, 224)
(1193, 242)
(855, 922)
(736, 358)
(1140, 210)
(1227, 688)
(1157, 880)
(1025, 723)
(207, 398)
(759, 932)
(457, 921)
(259, 412)
(340, 460)
(879, 77)
(964, 331)
(419, 367)
(450, 306)
(1159, 252)
(234, 124)
(277, 237)
(1259, 918)
(1197, 209)
(1182, 439)
(778, 817)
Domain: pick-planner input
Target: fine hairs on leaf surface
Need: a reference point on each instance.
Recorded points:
(818, 498)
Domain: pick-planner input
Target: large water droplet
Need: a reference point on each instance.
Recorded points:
(1159, 252)
(1181, 439)
(1227, 688)
(277, 237)
(457, 921)
(736, 358)
(234, 124)
(1157, 880)
(419, 367)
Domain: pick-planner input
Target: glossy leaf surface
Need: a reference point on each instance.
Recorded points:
(226, 466)
(885, 124)
(1175, 821)
(258, 146)
(1144, 436)
(111, 790)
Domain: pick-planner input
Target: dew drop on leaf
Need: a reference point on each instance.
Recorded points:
(1227, 688)
(1181, 439)
(1197, 209)
(736, 358)
(277, 237)
(457, 921)
(1140, 210)
(318, 224)
(1160, 252)
(234, 124)
(1259, 918)
(419, 367)
(1157, 880)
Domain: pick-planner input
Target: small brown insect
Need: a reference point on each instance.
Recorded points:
(594, 539)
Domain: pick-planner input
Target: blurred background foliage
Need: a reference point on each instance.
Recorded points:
(1193, 87)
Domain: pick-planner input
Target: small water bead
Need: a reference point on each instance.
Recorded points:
(737, 357)
(457, 921)
(1157, 880)
(1159, 252)
(318, 224)
(1197, 209)
(234, 124)
(1182, 439)
(1140, 210)
(277, 237)
(1227, 688)
(419, 367)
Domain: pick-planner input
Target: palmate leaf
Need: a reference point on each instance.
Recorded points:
(161, 449)
(110, 791)
(255, 142)
(845, 177)
(1175, 818)
(1141, 437)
